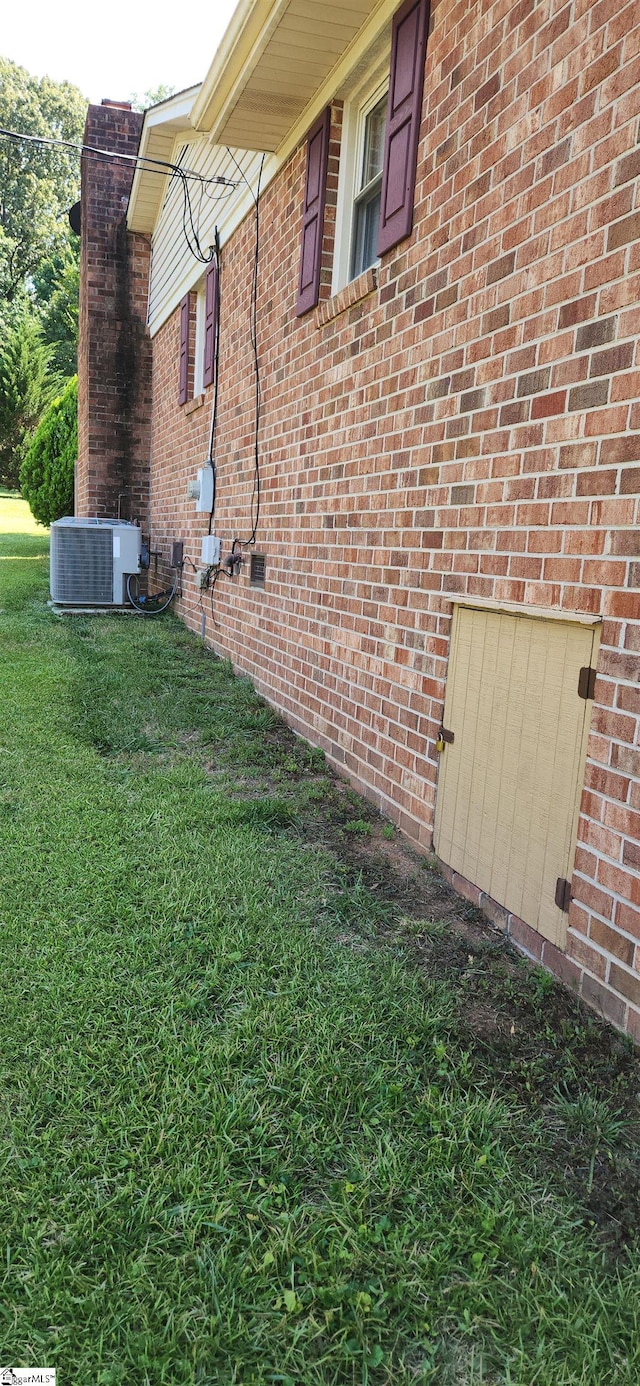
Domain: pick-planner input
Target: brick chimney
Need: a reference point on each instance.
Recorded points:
(114, 351)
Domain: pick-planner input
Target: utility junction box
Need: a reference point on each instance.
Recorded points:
(211, 548)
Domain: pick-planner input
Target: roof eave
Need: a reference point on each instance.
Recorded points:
(254, 98)
(162, 123)
(243, 40)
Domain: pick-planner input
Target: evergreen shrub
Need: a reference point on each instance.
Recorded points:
(46, 475)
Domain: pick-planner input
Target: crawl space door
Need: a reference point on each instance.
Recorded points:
(510, 781)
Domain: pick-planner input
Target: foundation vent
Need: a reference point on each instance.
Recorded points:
(258, 570)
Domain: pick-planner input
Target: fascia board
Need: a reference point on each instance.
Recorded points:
(247, 35)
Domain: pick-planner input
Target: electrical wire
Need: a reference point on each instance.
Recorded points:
(151, 604)
(115, 157)
(189, 228)
(211, 581)
(212, 584)
(253, 320)
(216, 366)
(184, 175)
(190, 231)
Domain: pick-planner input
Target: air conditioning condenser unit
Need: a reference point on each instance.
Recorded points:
(91, 560)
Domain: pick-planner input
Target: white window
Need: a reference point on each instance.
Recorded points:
(360, 179)
(366, 207)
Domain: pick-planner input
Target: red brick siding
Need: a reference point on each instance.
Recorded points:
(114, 353)
(470, 426)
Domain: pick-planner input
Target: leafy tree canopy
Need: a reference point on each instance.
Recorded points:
(151, 98)
(56, 284)
(38, 183)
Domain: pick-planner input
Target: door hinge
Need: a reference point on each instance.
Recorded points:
(587, 683)
(563, 894)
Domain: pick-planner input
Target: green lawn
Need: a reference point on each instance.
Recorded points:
(16, 518)
(245, 1135)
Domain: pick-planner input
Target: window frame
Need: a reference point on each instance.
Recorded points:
(367, 192)
(357, 108)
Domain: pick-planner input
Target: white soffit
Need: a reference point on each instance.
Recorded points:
(275, 57)
(162, 123)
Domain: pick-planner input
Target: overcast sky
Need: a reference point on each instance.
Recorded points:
(117, 48)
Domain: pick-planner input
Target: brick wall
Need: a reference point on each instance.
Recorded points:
(114, 352)
(465, 420)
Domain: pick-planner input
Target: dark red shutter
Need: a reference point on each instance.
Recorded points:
(210, 323)
(406, 81)
(184, 350)
(313, 216)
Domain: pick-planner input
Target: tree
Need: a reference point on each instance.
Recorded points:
(47, 472)
(56, 285)
(38, 183)
(151, 98)
(26, 387)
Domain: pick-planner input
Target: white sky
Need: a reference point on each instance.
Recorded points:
(115, 48)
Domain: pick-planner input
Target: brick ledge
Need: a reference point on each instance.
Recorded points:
(352, 293)
(193, 404)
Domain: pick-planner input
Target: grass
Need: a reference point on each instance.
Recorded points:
(16, 518)
(246, 1137)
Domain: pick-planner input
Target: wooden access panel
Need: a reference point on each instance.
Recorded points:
(510, 781)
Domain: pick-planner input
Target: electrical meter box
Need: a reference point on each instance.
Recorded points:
(205, 493)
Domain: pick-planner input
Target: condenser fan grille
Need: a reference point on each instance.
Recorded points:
(81, 565)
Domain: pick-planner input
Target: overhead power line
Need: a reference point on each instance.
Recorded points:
(137, 159)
